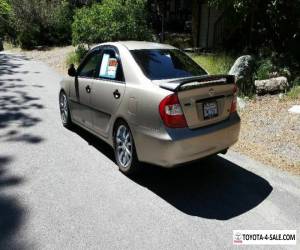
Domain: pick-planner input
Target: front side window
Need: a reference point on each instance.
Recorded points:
(110, 67)
(159, 64)
(89, 67)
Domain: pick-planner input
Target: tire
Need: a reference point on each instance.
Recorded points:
(125, 153)
(64, 110)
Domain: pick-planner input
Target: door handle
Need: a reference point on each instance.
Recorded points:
(88, 89)
(116, 94)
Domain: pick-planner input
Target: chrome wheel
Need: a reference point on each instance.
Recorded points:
(124, 148)
(64, 111)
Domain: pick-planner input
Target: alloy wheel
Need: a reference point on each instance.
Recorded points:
(124, 148)
(63, 104)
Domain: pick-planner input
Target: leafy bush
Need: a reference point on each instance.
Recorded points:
(41, 22)
(72, 58)
(264, 70)
(76, 56)
(111, 20)
(5, 9)
(268, 23)
(294, 93)
(271, 67)
(215, 64)
(296, 82)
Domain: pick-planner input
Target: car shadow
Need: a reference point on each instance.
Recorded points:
(94, 141)
(212, 188)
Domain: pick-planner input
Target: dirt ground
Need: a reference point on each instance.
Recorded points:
(54, 57)
(269, 133)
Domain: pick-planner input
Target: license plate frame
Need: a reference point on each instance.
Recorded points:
(210, 110)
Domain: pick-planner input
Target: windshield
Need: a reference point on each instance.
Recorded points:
(160, 64)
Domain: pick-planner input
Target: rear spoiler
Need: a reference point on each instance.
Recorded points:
(198, 81)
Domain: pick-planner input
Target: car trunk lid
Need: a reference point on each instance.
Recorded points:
(205, 100)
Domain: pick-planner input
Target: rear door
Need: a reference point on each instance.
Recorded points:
(80, 94)
(108, 90)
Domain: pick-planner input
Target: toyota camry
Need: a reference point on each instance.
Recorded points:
(152, 103)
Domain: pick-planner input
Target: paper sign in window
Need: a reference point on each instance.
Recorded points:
(109, 67)
(112, 68)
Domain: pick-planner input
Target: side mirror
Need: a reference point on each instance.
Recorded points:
(72, 71)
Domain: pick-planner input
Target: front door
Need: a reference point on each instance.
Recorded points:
(108, 90)
(80, 94)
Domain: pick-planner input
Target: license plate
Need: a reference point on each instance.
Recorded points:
(210, 110)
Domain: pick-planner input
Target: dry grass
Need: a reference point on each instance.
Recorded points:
(215, 64)
(54, 57)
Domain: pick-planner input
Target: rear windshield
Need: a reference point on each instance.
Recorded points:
(159, 64)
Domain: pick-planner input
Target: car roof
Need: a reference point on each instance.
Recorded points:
(139, 45)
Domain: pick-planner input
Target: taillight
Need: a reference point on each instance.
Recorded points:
(171, 112)
(234, 100)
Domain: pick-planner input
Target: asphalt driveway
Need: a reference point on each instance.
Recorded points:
(60, 189)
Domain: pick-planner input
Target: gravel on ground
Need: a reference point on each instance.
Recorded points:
(270, 134)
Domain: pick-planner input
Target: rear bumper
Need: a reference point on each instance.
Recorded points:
(176, 146)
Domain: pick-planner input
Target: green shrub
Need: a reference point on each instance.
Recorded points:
(5, 10)
(76, 56)
(61, 24)
(294, 93)
(41, 22)
(72, 58)
(264, 69)
(111, 20)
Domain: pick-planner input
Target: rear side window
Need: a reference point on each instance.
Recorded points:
(110, 66)
(159, 64)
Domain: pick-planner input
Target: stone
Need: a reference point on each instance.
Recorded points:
(243, 70)
(241, 103)
(295, 109)
(272, 85)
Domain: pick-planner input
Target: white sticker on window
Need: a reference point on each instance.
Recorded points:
(108, 67)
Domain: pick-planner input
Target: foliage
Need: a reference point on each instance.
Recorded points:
(111, 20)
(269, 23)
(215, 64)
(264, 69)
(5, 10)
(4, 7)
(41, 22)
(296, 82)
(76, 56)
(72, 58)
(294, 93)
